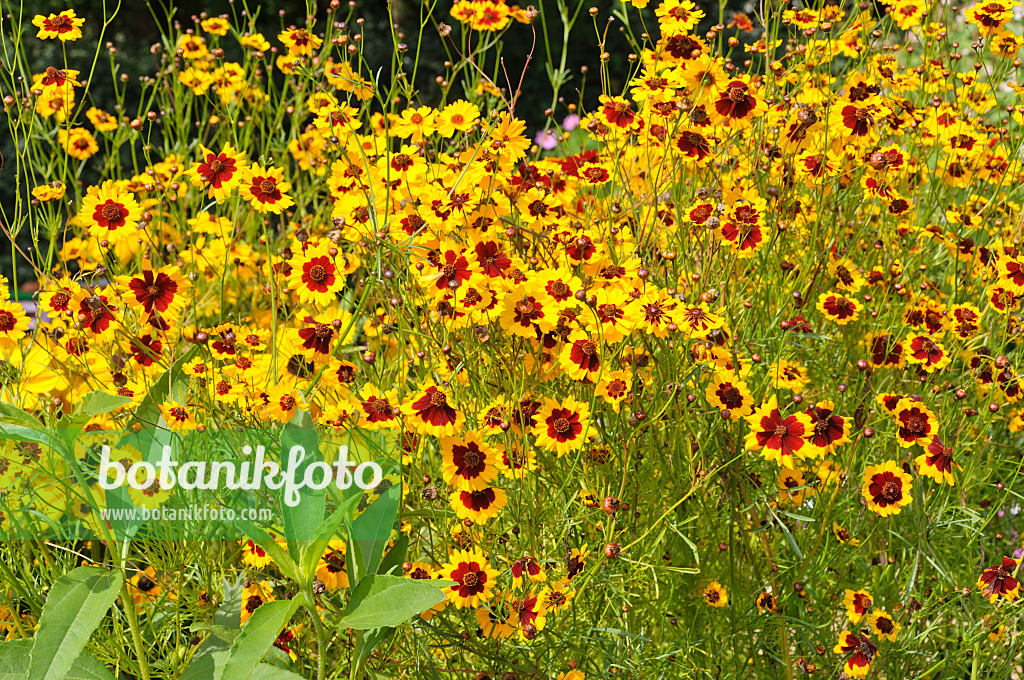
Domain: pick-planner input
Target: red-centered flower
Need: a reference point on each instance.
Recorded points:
(491, 259)
(839, 308)
(937, 462)
(217, 170)
(735, 104)
(581, 357)
(779, 438)
(857, 120)
(828, 430)
(929, 354)
(529, 566)
(155, 291)
(998, 580)
(319, 274)
(469, 463)
(862, 650)
(694, 145)
(478, 506)
(95, 313)
(885, 350)
(473, 579)
(616, 111)
(452, 266)
(430, 412)
(560, 426)
(146, 349)
(916, 424)
(886, 488)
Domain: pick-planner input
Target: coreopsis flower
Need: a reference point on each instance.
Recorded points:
(155, 291)
(179, 416)
(884, 350)
(282, 401)
(926, 352)
(964, 320)
(255, 41)
(857, 603)
(715, 595)
(65, 26)
(452, 268)
(474, 578)
(299, 41)
(316, 274)
(429, 412)
(458, 116)
(1005, 44)
(515, 461)
(595, 174)
(193, 47)
(908, 13)
(414, 124)
(616, 313)
(265, 189)
(109, 212)
(331, 568)
(843, 535)
(215, 26)
(617, 113)
(862, 652)
(218, 173)
(51, 191)
(527, 566)
(735, 105)
(915, 423)
(478, 506)
(95, 311)
(694, 146)
(779, 438)
(989, 16)
(561, 427)
(678, 16)
(254, 595)
(254, 556)
(658, 310)
(828, 430)
(883, 626)
(886, 488)
(730, 395)
(839, 308)
(317, 336)
(743, 226)
(792, 487)
(527, 311)
(144, 586)
(494, 620)
(14, 323)
(614, 387)
(78, 143)
(999, 580)
(580, 357)
(378, 409)
(937, 462)
(697, 320)
(766, 602)
(855, 122)
(468, 463)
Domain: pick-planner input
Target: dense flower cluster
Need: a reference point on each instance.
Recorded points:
(774, 288)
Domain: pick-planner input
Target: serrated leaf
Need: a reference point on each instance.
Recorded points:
(9, 413)
(74, 607)
(381, 601)
(14, 660)
(257, 636)
(99, 402)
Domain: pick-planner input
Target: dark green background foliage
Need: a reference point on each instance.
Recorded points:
(135, 30)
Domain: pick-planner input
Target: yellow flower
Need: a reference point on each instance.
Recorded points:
(65, 26)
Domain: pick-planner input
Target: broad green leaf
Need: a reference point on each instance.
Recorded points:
(75, 605)
(281, 558)
(9, 413)
(369, 533)
(205, 667)
(14, 660)
(371, 640)
(215, 630)
(99, 402)
(302, 520)
(328, 529)
(257, 636)
(396, 556)
(381, 601)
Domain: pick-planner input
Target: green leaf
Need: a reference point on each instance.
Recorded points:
(99, 402)
(395, 556)
(257, 636)
(14, 659)
(381, 601)
(302, 520)
(220, 632)
(207, 666)
(76, 604)
(369, 533)
(9, 413)
(281, 558)
(328, 529)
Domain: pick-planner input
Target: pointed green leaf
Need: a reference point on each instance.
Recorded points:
(74, 607)
(381, 601)
(257, 636)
